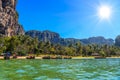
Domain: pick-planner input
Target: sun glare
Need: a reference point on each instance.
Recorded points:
(104, 12)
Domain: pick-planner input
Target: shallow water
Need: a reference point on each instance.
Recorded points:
(92, 69)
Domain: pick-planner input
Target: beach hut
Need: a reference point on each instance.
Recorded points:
(97, 56)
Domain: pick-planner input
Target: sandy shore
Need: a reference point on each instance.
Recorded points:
(40, 57)
(83, 58)
(113, 57)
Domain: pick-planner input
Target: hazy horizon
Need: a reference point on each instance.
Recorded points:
(71, 18)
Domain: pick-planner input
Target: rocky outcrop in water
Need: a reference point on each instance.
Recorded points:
(9, 19)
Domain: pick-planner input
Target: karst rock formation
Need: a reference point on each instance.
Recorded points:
(9, 25)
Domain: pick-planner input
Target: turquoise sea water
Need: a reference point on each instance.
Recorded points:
(88, 69)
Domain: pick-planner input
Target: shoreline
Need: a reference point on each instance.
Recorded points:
(77, 57)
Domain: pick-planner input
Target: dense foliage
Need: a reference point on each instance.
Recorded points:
(23, 45)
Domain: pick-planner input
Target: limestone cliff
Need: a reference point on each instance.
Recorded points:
(9, 19)
(44, 36)
(55, 38)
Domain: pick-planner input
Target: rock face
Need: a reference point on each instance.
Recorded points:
(117, 41)
(9, 19)
(68, 41)
(52, 37)
(45, 36)
(97, 40)
(55, 38)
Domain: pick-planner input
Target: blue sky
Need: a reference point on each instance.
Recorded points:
(70, 18)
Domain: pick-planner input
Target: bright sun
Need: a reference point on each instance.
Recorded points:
(104, 12)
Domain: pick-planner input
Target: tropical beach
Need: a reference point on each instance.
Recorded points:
(59, 40)
(60, 57)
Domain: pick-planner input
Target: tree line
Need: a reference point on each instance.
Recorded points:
(24, 45)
